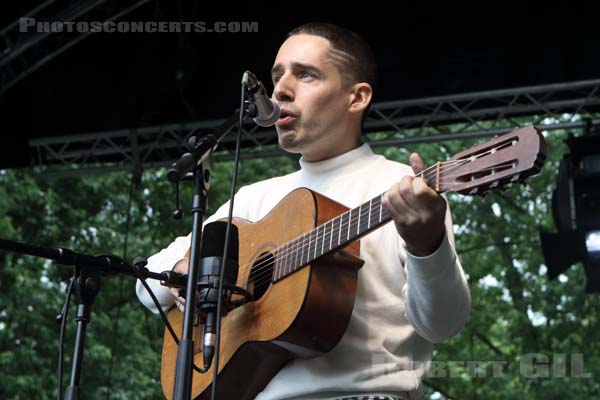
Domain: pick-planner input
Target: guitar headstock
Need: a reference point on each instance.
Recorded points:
(493, 164)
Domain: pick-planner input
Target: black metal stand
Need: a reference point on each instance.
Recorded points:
(195, 161)
(88, 270)
(185, 353)
(87, 287)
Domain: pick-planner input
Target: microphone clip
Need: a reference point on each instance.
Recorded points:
(264, 111)
(251, 83)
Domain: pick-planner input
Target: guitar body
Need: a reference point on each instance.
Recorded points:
(304, 314)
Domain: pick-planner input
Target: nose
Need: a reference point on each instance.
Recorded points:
(284, 89)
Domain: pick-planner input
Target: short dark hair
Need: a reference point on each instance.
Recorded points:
(352, 54)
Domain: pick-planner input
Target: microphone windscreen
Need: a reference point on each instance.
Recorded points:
(213, 240)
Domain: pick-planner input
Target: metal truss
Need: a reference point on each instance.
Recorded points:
(574, 105)
(25, 49)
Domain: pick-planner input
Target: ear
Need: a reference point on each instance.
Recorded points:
(360, 97)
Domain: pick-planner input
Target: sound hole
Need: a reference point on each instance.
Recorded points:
(261, 275)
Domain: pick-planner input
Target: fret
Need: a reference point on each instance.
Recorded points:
(309, 243)
(358, 225)
(306, 247)
(380, 206)
(284, 259)
(294, 255)
(291, 257)
(300, 250)
(369, 220)
(316, 239)
(341, 217)
(303, 250)
(323, 240)
(275, 268)
(283, 262)
(287, 259)
(352, 223)
(362, 227)
(331, 234)
(349, 223)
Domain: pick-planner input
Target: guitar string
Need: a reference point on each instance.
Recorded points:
(498, 166)
(262, 268)
(296, 246)
(263, 275)
(300, 239)
(300, 245)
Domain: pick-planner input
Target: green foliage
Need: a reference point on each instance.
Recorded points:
(516, 311)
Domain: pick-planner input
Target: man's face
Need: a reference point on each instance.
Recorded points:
(314, 105)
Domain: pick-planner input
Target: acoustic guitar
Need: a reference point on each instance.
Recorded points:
(300, 263)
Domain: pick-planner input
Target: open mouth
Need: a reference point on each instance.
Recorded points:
(286, 117)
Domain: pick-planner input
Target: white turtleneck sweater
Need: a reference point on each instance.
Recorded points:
(403, 303)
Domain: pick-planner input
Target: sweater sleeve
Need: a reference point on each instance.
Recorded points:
(438, 300)
(164, 260)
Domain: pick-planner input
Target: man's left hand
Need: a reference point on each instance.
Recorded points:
(417, 210)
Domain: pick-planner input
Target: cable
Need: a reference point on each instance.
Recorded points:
(164, 316)
(236, 161)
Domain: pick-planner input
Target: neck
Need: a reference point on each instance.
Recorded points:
(333, 150)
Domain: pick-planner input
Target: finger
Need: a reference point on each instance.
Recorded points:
(182, 266)
(422, 193)
(405, 189)
(416, 162)
(178, 298)
(396, 205)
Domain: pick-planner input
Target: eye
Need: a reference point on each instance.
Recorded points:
(276, 78)
(306, 75)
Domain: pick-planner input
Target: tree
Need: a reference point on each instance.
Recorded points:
(516, 311)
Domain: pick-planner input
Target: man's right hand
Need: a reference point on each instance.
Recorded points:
(181, 267)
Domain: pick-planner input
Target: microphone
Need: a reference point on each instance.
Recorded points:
(211, 256)
(266, 110)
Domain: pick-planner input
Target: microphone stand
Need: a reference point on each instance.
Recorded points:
(195, 161)
(88, 270)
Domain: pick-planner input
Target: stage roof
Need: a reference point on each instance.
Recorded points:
(125, 80)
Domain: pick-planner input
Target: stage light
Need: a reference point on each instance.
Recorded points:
(592, 243)
(576, 212)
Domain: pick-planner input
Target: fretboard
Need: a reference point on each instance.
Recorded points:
(334, 234)
(330, 236)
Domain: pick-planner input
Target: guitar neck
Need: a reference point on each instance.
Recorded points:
(508, 158)
(335, 233)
